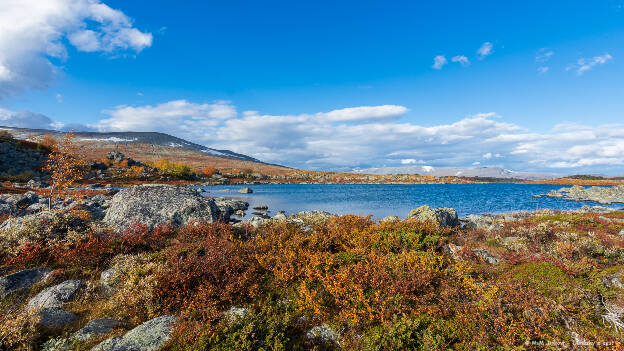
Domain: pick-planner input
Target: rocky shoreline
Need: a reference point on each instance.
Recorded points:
(602, 195)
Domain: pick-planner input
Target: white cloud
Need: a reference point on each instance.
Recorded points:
(485, 50)
(585, 64)
(59, 98)
(24, 119)
(365, 113)
(543, 69)
(463, 60)
(476, 163)
(180, 117)
(33, 33)
(544, 55)
(411, 161)
(439, 62)
(364, 137)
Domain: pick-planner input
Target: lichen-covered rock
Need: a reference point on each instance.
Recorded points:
(486, 256)
(228, 207)
(235, 314)
(152, 205)
(107, 280)
(389, 219)
(149, 336)
(444, 216)
(323, 333)
(20, 200)
(95, 327)
(613, 280)
(22, 280)
(56, 296)
(604, 195)
(56, 317)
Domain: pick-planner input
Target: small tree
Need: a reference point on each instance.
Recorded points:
(64, 165)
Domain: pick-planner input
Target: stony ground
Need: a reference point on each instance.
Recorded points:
(160, 267)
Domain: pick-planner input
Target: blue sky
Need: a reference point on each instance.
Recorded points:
(548, 96)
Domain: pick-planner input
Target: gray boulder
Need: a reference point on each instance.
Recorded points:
(228, 207)
(22, 280)
(613, 280)
(56, 317)
(95, 327)
(159, 204)
(149, 336)
(324, 333)
(245, 190)
(107, 280)
(444, 216)
(55, 296)
(486, 256)
(20, 200)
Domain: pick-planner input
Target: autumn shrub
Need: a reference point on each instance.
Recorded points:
(206, 271)
(19, 330)
(208, 171)
(271, 325)
(175, 169)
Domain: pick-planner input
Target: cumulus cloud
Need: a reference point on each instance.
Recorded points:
(463, 60)
(181, 117)
(485, 50)
(439, 62)
(35, 33)
(585, 64)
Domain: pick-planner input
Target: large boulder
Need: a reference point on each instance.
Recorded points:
(56, 296)
(21, 280)
(152, 205)
(149, 336)
(444, 216)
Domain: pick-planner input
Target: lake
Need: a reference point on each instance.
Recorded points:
(382, 200)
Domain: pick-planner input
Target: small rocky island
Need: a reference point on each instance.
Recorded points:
(604, 195)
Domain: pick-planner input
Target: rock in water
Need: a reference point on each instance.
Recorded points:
(149, 336)
(21, 280)
(444, 216)
(245, 190)
(158, 204)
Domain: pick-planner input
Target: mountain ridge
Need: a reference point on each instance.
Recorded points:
(153, 138)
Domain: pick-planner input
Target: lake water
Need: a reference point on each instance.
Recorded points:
(382, 200)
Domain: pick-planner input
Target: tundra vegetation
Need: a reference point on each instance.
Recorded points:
(344, 282)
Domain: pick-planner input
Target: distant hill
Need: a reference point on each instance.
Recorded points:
(152, 146)
(152, 138)
(484, 172)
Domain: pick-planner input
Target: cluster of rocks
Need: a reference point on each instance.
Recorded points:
(49, 306)
(603, 195)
